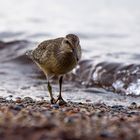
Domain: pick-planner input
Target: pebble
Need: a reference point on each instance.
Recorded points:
(2, 99)
(69, 120)
(117, 107)
(88, 100)
(105, 134)
(133, 113)
(10, 96)
(18, 100)
(18, 107)
(28, 100)
(55, 106)
(133, 105)
(72, 120)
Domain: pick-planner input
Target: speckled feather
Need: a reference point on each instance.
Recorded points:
(45, 49)
(52, 59)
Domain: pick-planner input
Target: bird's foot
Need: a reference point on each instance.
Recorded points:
(61, 101)
(53, 101)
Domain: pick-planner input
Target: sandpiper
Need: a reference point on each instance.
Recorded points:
(57, 57)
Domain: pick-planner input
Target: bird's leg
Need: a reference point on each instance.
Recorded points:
(50, 92)
(60, 99)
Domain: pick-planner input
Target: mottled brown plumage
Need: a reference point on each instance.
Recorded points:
(57, 57)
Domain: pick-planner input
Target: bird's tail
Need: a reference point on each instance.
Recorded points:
(29, 53)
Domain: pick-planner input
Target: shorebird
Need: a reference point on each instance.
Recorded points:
(56, 57)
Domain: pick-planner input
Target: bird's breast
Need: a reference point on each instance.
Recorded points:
(64, 63)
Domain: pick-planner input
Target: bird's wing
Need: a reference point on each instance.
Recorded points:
(38, 52)
(45, 50)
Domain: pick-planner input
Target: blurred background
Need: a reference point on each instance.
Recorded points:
(104, 26)
(109, 32)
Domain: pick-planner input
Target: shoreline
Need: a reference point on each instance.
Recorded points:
(39, 120)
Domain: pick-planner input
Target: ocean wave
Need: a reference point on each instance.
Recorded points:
(112, 76)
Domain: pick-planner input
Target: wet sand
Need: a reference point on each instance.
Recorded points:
(39, 120)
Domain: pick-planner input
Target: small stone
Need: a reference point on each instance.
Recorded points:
(18, 100)
(117, 107)
(10, 96)
(68, 120)
(18, 107)
(105, 134)
(133, 105)
(55, 106)
(28, 100)
(134, 113)
(88, 100)
(2, 100)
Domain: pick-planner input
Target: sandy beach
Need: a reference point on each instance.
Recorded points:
(39, 120)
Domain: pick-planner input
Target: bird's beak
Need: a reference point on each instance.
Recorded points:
(75, 53)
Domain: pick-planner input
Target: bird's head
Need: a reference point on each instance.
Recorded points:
(71, 44)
